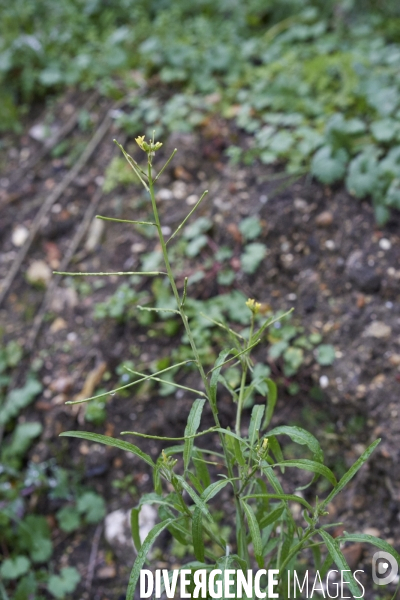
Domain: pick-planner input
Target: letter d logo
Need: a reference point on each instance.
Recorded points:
(384, 568)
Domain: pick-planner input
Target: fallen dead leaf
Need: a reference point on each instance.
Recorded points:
(353, 555)
(57, 325)
(91, 382)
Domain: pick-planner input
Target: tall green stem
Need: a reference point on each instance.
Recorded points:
(192, 343)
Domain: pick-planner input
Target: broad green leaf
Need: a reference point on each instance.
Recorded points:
(141, 557)
(197, 534)
(325, 354)
(199, 226)
(390, 165)
(381, 213)
(277, 349)
(192, 426)
(109, 441)
(18, 399)
(68, 519)
(252, 256)
(302, 437)
(351, 472)
(255, 423)
(384, 130)
(61, 585)
(392, 197)
(363, 175)
(250, 227)
(92, 507)
(329, 166)
(338, 557)
(14, 568)
(254, 532)
(22, 438)
(293, 358)
(26, 588)
(34, 536)
(195, 245)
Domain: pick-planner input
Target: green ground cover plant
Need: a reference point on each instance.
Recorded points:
(28, 568)
(313, 84)
(249, 463)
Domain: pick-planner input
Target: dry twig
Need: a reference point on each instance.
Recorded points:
(52, 198)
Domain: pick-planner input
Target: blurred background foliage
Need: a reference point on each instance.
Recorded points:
(314, 84)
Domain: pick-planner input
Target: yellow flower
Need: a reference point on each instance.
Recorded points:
(147, 147)
(139, 140)
(253, 306)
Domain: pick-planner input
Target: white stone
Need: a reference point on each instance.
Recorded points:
(323, 382)
(38, 273)
(385, 244)
(19, 236)
(378, 329)
(164, 194)
(41, 132)
(117, 527)
(95, 232)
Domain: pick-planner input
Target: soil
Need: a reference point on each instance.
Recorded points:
(326, 258)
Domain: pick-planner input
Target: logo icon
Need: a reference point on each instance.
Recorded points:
(384, 568)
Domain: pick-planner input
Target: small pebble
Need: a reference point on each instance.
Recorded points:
(385, 244)
(39, 273)
(330, 245)
(378, 330)
(324, 219)
(300, 204)
(164, 194)
(323, 382)
(192, 199)
(19, 236)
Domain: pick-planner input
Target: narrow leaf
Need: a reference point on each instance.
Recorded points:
(141, 557)
(286, 497)
(310, 465)
(197, 534)
(213, 489)
(109, 441)
(254, 533)
(370, 539)
(239, 452)
(201, 468)
(272, 517)
(255, 422)
(192, 426)
(351, 472)
(338, 557)
(302, 437)
(271, 400)
(215, 375)
(196, 499)
(135, 528)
